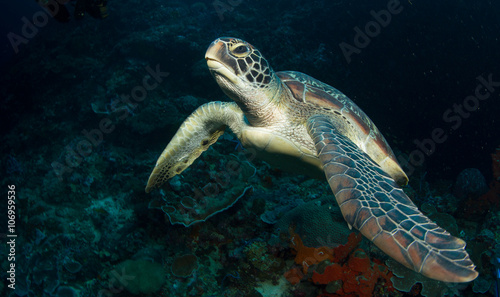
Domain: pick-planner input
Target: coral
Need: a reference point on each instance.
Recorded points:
(496, 164)
(494, 194)
(72, 265)
(210, 186)
(446, 221)
(294, 275)
(359, 275)
(143, 277)
(470, 183)
(13, 166)
(112, 209)
(404, 279)
(481, 285)
(351, 274)
(184, 266)
(332, 272)
(269, 288)
(188, 103)
(318, 222)
(259, 257)
(65, 291)
(341, 252)
(484, 250)
(308, 256)
(145, 121)
(476, 207)
(273, 215)
(118, 82)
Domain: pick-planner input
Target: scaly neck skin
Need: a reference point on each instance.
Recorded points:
(262, 106)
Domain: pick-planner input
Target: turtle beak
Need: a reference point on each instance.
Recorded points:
(220, 62)
(215, 50)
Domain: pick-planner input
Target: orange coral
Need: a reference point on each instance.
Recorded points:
(341, 252)
(359, 275)
(335, 295)
(356, 273)
(307, 256)
(359, 261)
(332, 272)
(294, 275)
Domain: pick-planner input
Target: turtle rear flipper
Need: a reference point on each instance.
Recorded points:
(371, 202)
(198, 132)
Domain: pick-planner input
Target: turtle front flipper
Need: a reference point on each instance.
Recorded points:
(198, 132)
(371, 202)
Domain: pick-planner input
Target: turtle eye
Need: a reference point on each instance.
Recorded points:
(242, 49)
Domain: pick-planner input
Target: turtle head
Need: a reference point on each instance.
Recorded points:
(241, 70)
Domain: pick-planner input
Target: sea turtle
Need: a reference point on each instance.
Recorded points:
(297, 122)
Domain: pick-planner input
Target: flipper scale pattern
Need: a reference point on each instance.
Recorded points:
(371, 202)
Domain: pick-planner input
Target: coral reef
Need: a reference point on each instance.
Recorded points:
(352, 273)
(444, 220)
(318, 222)
(258, 255)
(307, 256)
(470, 183)
(192, 199)
(476, 207)
(184, 266)
(404, 279)
(358, 276)
(140, 276)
